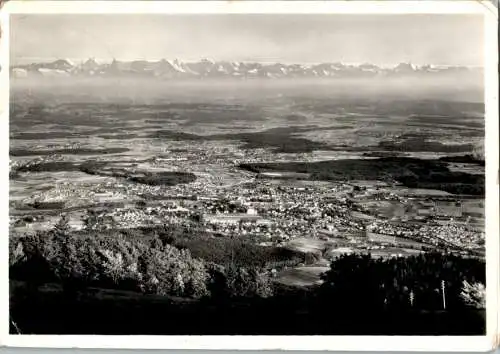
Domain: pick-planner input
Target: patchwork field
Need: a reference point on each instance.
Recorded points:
(249, 188)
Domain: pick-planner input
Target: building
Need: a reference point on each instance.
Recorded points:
(381, 238)
(234, 219)
(448, 208)
(337, 252)
(251, 211)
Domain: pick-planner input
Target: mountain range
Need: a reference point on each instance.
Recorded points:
(170, 69)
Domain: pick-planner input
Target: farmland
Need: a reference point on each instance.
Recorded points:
(252, 190)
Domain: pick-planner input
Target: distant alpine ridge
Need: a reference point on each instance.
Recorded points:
(175, 69)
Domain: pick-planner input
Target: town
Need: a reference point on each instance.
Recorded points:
(281, 210)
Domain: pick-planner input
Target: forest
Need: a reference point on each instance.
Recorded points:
(411, 172)
(398, 295)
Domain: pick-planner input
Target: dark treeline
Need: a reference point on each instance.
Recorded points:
(165, 178)
(102, 283)
(411, 172)
(228, 251)
(420, 144)
(73, 151)
(468, 158)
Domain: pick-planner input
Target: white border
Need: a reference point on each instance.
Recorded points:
(281, 7)
(4, 178)
(309, 343)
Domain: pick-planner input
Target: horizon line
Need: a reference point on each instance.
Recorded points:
(102, 60)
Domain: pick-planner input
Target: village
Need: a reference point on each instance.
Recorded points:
(325, 219)
(358, 217)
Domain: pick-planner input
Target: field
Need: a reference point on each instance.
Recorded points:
(249, 187)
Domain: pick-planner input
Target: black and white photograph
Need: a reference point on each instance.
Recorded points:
(253, 174)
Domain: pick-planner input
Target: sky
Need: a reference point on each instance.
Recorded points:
(377, 39)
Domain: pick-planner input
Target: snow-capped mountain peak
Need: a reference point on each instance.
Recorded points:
(210, 68)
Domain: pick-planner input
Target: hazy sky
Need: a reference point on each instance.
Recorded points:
(378, 39)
